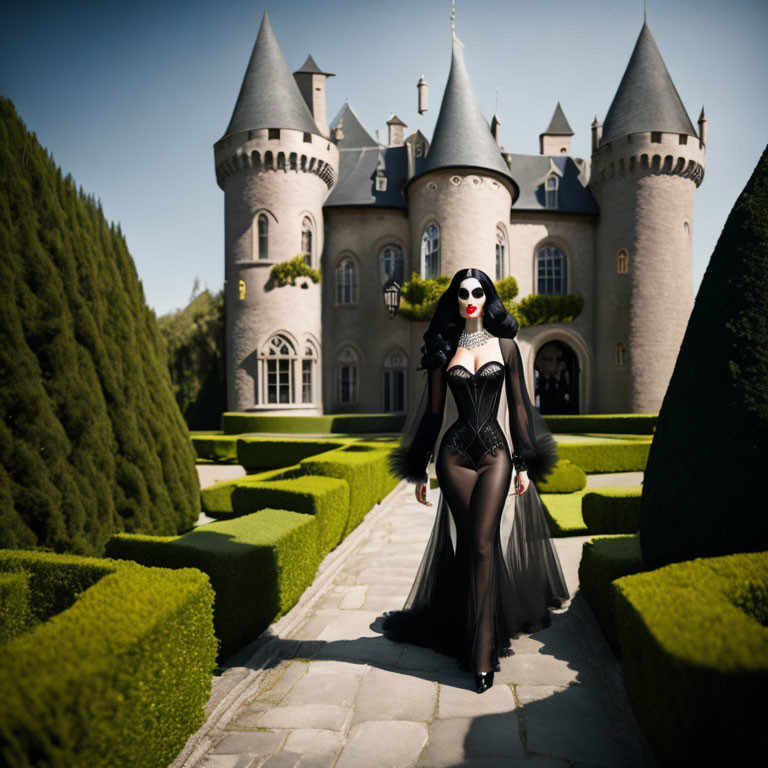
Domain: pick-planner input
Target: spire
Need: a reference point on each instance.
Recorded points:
(462, 135)
(647, 99)
(269, 96)
(558, 125)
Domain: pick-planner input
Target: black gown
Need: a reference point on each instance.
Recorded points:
(473, 591)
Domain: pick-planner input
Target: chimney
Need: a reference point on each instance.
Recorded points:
(702, 129)
(396, 126)
(596, 134)
(423, 88)
(311, 81)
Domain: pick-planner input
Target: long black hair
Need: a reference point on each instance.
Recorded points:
(442, 336)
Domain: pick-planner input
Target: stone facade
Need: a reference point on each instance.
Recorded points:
(622, 221)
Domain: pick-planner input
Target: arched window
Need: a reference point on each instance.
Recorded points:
(620, 353)
(551, 271)
(308, 368)
(346, 282)
(346, 375)
(553, 182)
(430, 251)
(622, 261)
(393, 383)
(263, 235)
(391, 264)
(306, 239)
(501, 246)
(276, 362)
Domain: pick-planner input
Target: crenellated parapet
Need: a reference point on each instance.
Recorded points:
(648, 153)
(274, 150)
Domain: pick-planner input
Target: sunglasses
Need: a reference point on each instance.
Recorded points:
(478, 293)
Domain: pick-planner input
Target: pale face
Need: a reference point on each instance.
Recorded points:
(471, 298)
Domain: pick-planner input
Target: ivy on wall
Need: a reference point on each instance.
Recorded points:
(419, 297)
(287, 272)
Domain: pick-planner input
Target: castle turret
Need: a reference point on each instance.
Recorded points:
(276, 169)
(645, 171)
(556, 140)
(460, 198)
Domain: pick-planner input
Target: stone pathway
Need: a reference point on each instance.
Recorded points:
(322, 687)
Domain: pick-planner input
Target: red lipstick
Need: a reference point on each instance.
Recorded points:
(471, 308)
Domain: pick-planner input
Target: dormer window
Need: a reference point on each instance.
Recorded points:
(381, 180)
(552, 184)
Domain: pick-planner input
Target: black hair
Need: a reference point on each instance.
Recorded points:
(442, 337)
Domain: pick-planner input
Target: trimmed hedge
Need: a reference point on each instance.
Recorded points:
(327, 498)
(258, 565)
(563, 511)
(612, 509)
(365, 468)
(613, 455)
(218, 448)
(566, 477)
(695, 655)
(256, 453)
(608, 423)
(233, 423)
(604, 559)
(117, 672)
(328, 495)
(14, 605)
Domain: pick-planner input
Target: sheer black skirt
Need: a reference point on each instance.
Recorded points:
(480, 583)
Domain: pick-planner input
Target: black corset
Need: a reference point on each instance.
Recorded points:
(476, 431)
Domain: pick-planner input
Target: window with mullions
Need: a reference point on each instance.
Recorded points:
(393, 385)
(346, 376)
(392, 265)
(346, 282)
(430, 251)
(552, 186)
(500, 248)
(306, 240)
(263, 235)
(551, 271)
(278, 362)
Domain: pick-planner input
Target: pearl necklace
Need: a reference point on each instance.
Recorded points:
(476, 339)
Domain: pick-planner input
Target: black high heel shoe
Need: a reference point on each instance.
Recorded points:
(483, 681)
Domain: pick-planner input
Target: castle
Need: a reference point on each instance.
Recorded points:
(616, 229)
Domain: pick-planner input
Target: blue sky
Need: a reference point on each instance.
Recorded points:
(130, 97)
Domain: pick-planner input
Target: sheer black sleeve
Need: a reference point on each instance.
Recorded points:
(409, 461)
(534, 449)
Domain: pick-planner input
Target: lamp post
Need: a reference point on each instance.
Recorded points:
(392, 297)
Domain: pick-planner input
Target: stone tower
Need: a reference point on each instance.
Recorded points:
(646, 167)
(464, 187)
(276, 168)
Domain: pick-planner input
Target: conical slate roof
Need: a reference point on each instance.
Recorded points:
(269, 96)
(647, 99)
(354, 132)
(310, 67)
(558, 125)
(462, 135)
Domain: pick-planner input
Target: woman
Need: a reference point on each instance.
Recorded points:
(490, 570)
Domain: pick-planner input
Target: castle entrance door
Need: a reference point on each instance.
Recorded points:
(556, 371)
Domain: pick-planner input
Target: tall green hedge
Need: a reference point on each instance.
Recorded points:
(704, 486)
(195, 344)
(91, 439)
